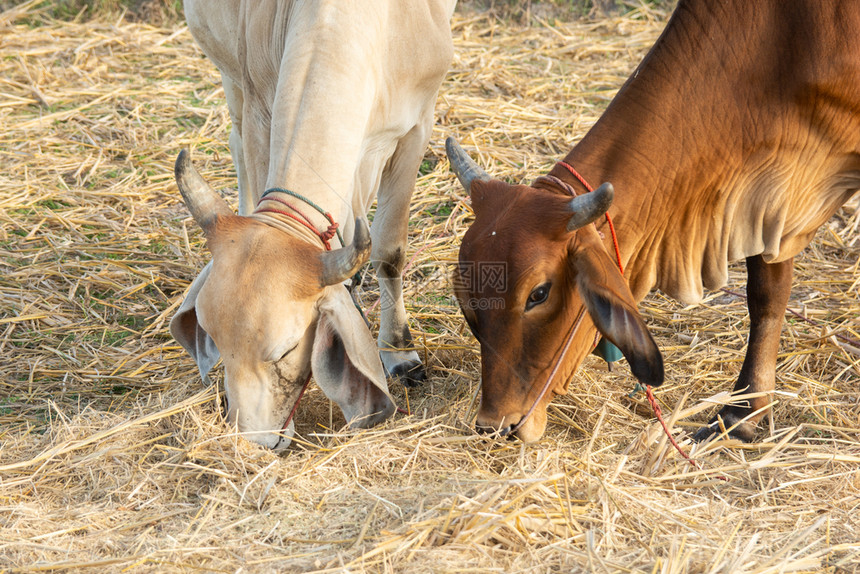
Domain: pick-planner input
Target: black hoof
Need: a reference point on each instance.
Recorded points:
(707, 432)
(744, 432)
(411, 373)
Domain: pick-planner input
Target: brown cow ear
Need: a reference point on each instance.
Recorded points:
(610, 305)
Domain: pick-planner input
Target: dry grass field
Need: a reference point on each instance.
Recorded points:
(115, 458)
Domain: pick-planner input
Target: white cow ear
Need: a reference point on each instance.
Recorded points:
(345, 361)
(185, 329)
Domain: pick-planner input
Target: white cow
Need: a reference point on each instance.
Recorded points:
(333, 101)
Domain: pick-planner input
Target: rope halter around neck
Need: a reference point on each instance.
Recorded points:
(648, 390)
(297, 215)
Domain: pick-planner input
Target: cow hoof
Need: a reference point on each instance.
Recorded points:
(744, 432)
(410, 373)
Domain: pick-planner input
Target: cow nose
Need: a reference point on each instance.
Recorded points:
(487, 429)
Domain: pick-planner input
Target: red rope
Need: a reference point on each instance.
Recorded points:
(648, 392)
(608, 218)
(296, 405)
(658, 412)
(654, 405)
(325, 236)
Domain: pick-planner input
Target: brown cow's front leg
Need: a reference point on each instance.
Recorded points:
(768, 288)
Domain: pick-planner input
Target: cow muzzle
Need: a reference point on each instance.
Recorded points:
(513, 425)
(262, 434)
(260, 415)
(485, 429)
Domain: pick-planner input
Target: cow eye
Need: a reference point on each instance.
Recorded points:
(538, 296)
(290, 350)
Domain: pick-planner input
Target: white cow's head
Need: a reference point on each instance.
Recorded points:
(274, 308)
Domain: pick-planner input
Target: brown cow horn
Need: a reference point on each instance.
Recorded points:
(341, 264)
(202, 201)
(589, 206)
(463, 166)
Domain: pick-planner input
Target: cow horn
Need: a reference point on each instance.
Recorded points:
(589, 206)
(202, 201)
(341, 264)
(463, 166)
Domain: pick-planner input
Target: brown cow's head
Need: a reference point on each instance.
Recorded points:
(528, 265)
(273, 307)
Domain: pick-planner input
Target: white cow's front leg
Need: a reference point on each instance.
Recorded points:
(395, 340)
(389, 233)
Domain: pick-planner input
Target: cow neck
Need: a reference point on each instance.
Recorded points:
(282, 202)
(653, 150)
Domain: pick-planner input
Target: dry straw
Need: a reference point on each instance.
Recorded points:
(113, 457)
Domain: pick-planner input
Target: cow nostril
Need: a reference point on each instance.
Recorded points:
(484, 429)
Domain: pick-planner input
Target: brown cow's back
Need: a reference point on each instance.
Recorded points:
(738, 135)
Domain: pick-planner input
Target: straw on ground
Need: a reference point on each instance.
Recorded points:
(114, 457)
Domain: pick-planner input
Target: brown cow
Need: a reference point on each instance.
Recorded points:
(736, 138)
